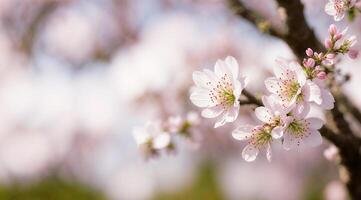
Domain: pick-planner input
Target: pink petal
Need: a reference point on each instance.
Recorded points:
(264, 114)
(212, 112)
(314, 139)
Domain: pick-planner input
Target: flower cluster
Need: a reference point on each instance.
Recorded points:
(157, 136)
(292, 91)
(338, 8)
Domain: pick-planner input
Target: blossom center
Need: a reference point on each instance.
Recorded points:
(222, 92)
(298, 128)
(260, 138)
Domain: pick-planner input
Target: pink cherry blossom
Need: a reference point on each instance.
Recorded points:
(152, 135)
(337, 8)
(218, 92)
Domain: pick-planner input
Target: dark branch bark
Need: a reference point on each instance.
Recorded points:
(251, 98)
(340, 120)
(254, 18)
(299, 36)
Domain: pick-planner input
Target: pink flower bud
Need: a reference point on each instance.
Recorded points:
(332, 29)
(321, 75)
(331, 56)
(309, 52)
(328, 44)
(352, 53)
(309, 63)
(338, 36)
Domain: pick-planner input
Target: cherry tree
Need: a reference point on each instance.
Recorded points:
(282, 112)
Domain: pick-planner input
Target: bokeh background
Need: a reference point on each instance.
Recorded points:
(77, 75)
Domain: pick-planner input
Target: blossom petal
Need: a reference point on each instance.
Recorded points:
(201, 79)
(327, 100)
(313, 92)
(237, 90)
(242, 132)
(314, 139)
(233, 67)
(264, 114)
(161, 141)
(289, 141)
(212, 112)
(277, 132)
(339, 16)
(315, 123)
(232, 114)
(330, 9)
(200, 98)
(281, 69)
(140, 135)
(272, 85)
(269, 153)
(250, 153)
(221, 121)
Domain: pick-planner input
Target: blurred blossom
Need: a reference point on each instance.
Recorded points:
(335, 190)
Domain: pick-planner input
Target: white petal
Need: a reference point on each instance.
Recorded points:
(301, 110)
(140, 135)
(339, 16)
(233, 67)
(221, 121)
(289, 141)
(242, 132)
(264, 114)
(327, 100)
(301, 75)
(314, 139)
(269, 153)
(201, 98)
(330, 9)
(280, 70)
(161, 141)
(313, 92)
(220, 69)
(201, 79)
(212, 112)
(250, 153)
(237, 90)
(232, 114)
(272, 85)
(277, 132)
(315, 123)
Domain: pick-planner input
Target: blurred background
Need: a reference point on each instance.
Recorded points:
(77, 75)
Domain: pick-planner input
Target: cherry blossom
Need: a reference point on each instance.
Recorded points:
(151, 137)
(218, 92)
(338, 8)
(301, 130)
(258, 137)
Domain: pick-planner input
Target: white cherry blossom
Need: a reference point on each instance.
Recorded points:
(338, 8)
(288, 82)
(152, 135)
(258, 137)
(218, 92)
(273, 114)
(302, 131)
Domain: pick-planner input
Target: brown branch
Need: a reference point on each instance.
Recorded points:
(340, 120)
(251, 98)
(254, 18)
(300, 35)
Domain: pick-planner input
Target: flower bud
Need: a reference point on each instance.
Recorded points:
(309, 52)
(338, 36)
(328, 44)
(331, 56)
(332, 29)
(309, 63)
(321, 75)
(352, 53)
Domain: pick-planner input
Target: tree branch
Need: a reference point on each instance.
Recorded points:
(251, 98)
(254, 18)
